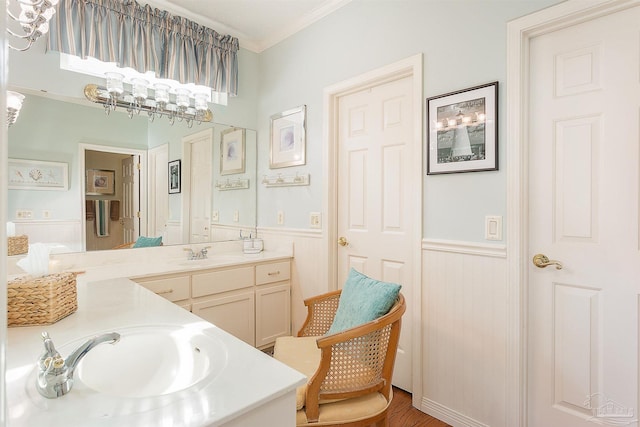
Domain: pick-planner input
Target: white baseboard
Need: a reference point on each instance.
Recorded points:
(447, 415)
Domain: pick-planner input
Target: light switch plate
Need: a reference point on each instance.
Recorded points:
(215, 216)
(236, 216)
(493, 227)
(280, 218)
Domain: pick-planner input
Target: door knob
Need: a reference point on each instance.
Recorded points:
(342, 241)
(541, 261)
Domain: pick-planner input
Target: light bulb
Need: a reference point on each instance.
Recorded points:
(43, 28)
(182, 98)
(115, 85)
(161, 93)
(14, 100)
(139, 90)
(200, 101)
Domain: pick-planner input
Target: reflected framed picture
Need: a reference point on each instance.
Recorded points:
(175, 176)
(462, 134)
(101, 182)
(232, 147)
(288, 139)
(37, 175)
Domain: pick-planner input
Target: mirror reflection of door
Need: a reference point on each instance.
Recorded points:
(112, 199)
(130, 199)
(197, 184)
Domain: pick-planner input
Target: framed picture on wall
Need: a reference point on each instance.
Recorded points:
(462, 134)
(174, 176)
(101, 182)
(232, 151)
(288, 139)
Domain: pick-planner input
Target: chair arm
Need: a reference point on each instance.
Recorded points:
(321, 310)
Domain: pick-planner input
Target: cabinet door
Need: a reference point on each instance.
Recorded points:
(273, 313)
(233, 313)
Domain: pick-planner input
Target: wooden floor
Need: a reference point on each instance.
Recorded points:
(403, 414)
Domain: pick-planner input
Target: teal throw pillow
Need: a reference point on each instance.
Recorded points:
(362, 300)
(145, 242)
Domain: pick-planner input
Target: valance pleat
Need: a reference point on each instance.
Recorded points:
(146, 39)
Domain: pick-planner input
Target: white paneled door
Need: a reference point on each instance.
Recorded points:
(200, 187)
(130, 198)
(583, 331)
(374, 194)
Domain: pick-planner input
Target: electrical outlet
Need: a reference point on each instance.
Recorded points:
(215, 216)
(315, 220)
(24, 214)
(236, 216)
(280, 217)
(46, 214)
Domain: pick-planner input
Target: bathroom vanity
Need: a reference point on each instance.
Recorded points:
(225, 380)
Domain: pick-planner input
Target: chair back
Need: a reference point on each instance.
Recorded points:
(359, 360)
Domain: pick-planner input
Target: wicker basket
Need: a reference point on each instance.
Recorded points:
(41, 301)
(17, 245)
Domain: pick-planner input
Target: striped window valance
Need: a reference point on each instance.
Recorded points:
(146, 39)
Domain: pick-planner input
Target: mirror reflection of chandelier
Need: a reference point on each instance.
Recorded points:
(33, 17)
(14, 104)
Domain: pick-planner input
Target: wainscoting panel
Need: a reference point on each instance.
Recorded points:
(65, 234)
(464, 333)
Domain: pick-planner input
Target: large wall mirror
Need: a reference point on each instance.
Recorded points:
(213, 198)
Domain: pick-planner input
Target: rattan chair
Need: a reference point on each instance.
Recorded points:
(349, 372)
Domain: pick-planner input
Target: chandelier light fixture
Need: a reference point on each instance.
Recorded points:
(14, 104)
(33, 17)
(175, 103)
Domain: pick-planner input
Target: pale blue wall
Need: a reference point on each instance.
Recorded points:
(463, 43)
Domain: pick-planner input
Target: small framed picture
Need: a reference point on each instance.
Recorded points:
(462, 134)
(174, 176)
(232, 151)
(288, 140)
(101, 182)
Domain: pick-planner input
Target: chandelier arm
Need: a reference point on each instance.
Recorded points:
(29, 36)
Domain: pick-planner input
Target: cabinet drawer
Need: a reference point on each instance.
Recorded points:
(173, 288)
(275, 272)
(221, 281)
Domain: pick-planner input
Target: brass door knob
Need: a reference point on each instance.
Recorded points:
(342, 241)
(541, 261)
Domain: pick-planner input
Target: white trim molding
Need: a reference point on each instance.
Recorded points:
(520, 33)
(468, 248)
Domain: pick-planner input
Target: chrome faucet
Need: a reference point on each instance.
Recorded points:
(55, 375)
(202, 254)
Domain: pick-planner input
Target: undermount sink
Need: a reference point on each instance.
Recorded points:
(151, 361)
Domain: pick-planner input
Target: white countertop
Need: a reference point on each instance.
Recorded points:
(248, 379)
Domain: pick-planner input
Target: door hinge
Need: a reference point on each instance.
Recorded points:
(139, 166)
(138, 214)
